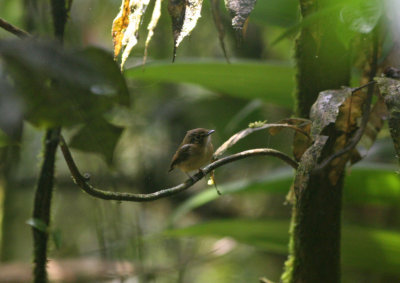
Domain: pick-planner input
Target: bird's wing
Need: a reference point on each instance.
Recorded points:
(180, 155)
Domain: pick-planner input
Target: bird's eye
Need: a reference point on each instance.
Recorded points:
(196, 139)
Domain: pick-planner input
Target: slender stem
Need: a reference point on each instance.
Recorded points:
(82, 182)
(42, 203)
(44, 191)
(13, 29)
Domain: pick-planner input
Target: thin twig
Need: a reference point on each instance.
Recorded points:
(82, 182)
(13, 29)
(244, 133)
(363, 86)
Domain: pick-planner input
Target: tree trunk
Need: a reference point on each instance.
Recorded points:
(322, 64)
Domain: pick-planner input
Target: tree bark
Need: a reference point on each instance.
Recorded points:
(322, 64)
(42, 204)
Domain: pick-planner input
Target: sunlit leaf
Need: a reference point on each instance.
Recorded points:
(240, 11)
(126, 27)
(119, 26)
(152, 25)
(184, 15)
(364, 248)
(361, 15)
(271, 82)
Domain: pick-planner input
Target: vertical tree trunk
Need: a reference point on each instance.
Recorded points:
(322, 63)
(44, 189)
(42, 204)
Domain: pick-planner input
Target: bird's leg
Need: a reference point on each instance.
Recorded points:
(215, 183)
(213, 180)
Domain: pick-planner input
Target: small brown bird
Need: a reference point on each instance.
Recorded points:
(194, 152)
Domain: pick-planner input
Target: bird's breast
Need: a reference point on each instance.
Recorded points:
(199, 156)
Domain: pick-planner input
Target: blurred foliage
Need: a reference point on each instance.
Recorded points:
(67, 88)
(272, 236)
(81, 88)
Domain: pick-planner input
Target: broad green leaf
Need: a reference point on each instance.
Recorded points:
(272, 82)
(361, 15)
(62, 87)
(98, 136)
(275, 12)
(362, 247)
(366, 183)
(308, 21)
(348, 18)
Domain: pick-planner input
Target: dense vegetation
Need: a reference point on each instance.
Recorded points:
(316, 80)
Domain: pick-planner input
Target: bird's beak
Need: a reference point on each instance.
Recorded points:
(210, 132)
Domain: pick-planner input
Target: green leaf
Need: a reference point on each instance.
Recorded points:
(348, 17)
(308, 21)
(62, 87)
(37, 223)
(4, 139)
(272, 82)
(372, 183)
(56, 236)
(363, 248)
(275, 12)
(98, 136)
(366, 183)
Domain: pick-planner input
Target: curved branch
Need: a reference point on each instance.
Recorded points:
(13, 29)
(82, 182)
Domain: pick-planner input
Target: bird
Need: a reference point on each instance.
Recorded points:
(195, 151)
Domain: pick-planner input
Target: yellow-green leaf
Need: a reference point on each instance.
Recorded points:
(126, 27)
(152, 25)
